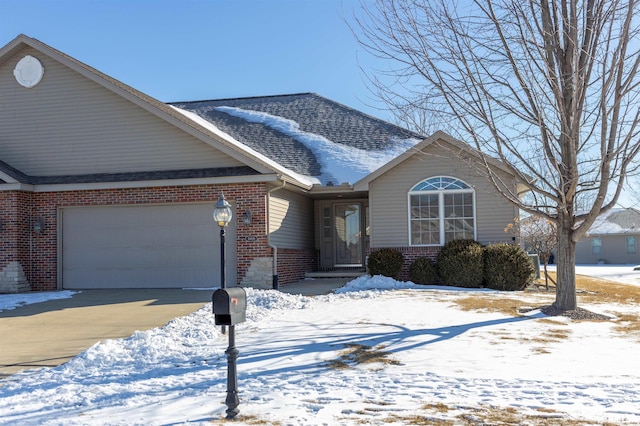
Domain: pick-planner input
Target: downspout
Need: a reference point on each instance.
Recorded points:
(273, 246)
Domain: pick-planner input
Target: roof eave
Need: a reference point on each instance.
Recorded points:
(138, 184)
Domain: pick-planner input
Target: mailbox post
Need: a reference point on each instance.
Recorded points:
(229, 308)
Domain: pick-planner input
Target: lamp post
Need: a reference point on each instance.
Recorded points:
(222, 214)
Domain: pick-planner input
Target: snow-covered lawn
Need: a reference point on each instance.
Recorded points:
(297, 365)
(624, 274)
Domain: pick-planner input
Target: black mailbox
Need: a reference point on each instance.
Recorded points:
(229, 305)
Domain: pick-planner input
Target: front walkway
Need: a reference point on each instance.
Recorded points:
(314, 286)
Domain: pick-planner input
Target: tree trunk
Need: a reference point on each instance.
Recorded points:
(566, 272)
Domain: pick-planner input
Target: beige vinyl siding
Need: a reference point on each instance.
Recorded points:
(614, 250)
(68, 124)
(388, 202)
(290, 220)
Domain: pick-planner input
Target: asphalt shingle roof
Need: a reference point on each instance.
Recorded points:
(313, 113)
(617, 221)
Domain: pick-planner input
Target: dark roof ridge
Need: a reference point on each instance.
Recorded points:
(340, 105)
(239, 98)
(364, 114)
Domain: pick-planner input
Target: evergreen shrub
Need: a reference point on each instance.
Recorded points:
(386, 261)
(507, 267)
(460, 264)
(423, 271)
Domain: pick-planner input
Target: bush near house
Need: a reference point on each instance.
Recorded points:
(507, 267)
(466, 263)
(386, 261)
(424, 271)
(460, 263)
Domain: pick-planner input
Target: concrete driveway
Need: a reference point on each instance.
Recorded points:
(50, 333)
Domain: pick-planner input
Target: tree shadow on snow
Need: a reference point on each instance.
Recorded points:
(277, 356)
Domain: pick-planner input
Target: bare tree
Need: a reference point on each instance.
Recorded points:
(550, 87)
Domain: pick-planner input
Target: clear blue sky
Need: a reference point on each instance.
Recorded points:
(177, 50)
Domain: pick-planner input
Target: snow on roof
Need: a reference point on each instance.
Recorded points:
(212, 128)
(340, 163)
(617, 221)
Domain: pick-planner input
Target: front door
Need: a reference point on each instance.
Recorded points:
(342, 227)
(348, 234)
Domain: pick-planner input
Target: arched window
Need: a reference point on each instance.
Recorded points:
(441, 209)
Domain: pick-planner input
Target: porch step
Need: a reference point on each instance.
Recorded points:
(335, 274)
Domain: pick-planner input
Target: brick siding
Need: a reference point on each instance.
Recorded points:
(38, 253)
(411, 254)
(293, 264)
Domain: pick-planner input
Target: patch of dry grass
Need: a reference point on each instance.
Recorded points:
(490, 303)
(419, 420)
(361, 354)
(628, 324)
(552, 321)
(590, 291)
(511, 416)
(438, 407)
(247, 420)
(444, 415)
(598, 290)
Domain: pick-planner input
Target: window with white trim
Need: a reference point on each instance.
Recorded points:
(631, 245)
(441, 209)
(596, 246)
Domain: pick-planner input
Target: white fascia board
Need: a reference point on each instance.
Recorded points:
(8, 179)
(17, 186)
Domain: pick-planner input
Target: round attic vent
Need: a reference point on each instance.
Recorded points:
(28, 71)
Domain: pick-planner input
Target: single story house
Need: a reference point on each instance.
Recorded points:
(102, 186)
(613, 238)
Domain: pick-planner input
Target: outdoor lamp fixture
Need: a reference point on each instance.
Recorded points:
(38, 225)
(246, 217)
(222, 214)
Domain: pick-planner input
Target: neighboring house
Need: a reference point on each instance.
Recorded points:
(102, 186)
(613, 238)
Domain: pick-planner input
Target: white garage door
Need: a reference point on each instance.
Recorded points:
(159, 246)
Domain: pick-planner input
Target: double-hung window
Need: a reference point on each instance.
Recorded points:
(596, 245)
(441, 209)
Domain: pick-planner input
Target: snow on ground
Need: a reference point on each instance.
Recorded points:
(12, 301)
(437, 354)
(625, 273)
